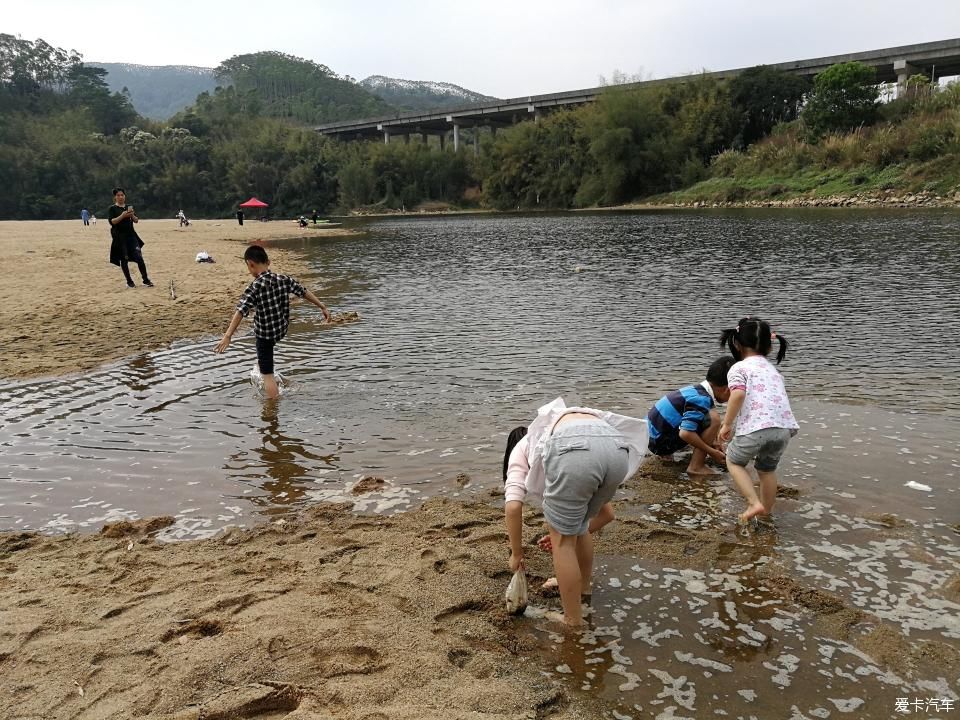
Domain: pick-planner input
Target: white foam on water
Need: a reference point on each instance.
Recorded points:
(846, 705)
(675, 688)
(788, 665)
(702, 662)
(632, 679)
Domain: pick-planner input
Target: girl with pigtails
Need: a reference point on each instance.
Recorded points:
(760, 408)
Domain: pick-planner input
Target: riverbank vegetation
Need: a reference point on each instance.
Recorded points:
(65, 140)
(915, 148)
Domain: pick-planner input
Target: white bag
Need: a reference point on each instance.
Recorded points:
(517, 593)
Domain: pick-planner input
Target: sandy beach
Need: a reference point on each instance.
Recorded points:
(65, 308)
(339, 615)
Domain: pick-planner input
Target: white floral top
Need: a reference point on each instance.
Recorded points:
(766, 404)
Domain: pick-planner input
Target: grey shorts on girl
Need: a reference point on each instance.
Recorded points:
(764, 447)
(585, 461)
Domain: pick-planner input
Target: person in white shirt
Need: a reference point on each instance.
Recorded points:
(573, 460)
(761, 410)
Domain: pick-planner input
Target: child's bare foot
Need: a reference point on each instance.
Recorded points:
(551, 586)
(702, 470)
(751, 512)
(559, 617)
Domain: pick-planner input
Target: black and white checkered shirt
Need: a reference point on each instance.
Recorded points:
(269, 295)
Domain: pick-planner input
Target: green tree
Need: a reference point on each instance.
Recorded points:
(844, 97)
(762, 97)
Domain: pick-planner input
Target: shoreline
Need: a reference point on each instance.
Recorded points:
(888, 199)
(69, 310)
(340, 614)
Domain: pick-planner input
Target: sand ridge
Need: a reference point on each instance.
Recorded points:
(65, 308)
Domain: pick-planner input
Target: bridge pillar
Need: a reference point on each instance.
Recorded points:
(904, 71)
(386, 136)
(456, 137)
(443, 140)
(406, 139)
(476, 141)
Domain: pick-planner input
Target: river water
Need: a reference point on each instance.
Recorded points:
(471, 322)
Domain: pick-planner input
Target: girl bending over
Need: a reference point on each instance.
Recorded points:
(574, 459)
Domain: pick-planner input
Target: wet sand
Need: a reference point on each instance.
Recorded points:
(340, 615)
(64, 307)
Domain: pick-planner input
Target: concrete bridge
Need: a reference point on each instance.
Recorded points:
(933, 59)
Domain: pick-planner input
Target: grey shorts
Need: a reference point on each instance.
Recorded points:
(585, 461)
(764, 447)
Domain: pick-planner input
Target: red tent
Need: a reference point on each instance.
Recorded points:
(253, 203)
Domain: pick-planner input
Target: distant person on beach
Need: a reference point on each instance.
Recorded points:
(687, 417)
(126, 244)
(268, 295)
(574, 459)
(761, 410)
(182, 218)
(314, 217)
(240, 216)
(85, 216)
(93, 219)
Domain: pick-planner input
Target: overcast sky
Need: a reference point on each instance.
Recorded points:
(505, 49)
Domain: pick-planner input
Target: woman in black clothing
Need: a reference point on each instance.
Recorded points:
(126, 243)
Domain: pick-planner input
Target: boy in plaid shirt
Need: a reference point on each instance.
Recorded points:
(268, 295)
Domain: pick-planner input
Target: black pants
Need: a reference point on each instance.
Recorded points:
(138, 258)
(265, 355)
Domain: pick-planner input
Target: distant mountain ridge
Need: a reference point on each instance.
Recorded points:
(158, 91)
(421, 94)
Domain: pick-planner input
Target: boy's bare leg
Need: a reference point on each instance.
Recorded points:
(567, 566)
(270, 388)
(768, 490)
(698, 463)
(744, 484)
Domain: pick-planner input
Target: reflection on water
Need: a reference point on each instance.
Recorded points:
(286, 460)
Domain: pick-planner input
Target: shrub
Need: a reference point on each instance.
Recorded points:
(930, 142)
(734, 193)
(726, 163)
(884, 148)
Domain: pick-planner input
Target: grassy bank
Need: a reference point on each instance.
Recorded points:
(914, 151)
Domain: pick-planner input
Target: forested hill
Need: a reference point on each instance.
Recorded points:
(415, 95)
(158, 92)
(297, 89)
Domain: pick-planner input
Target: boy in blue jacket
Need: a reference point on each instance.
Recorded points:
(687, 417)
